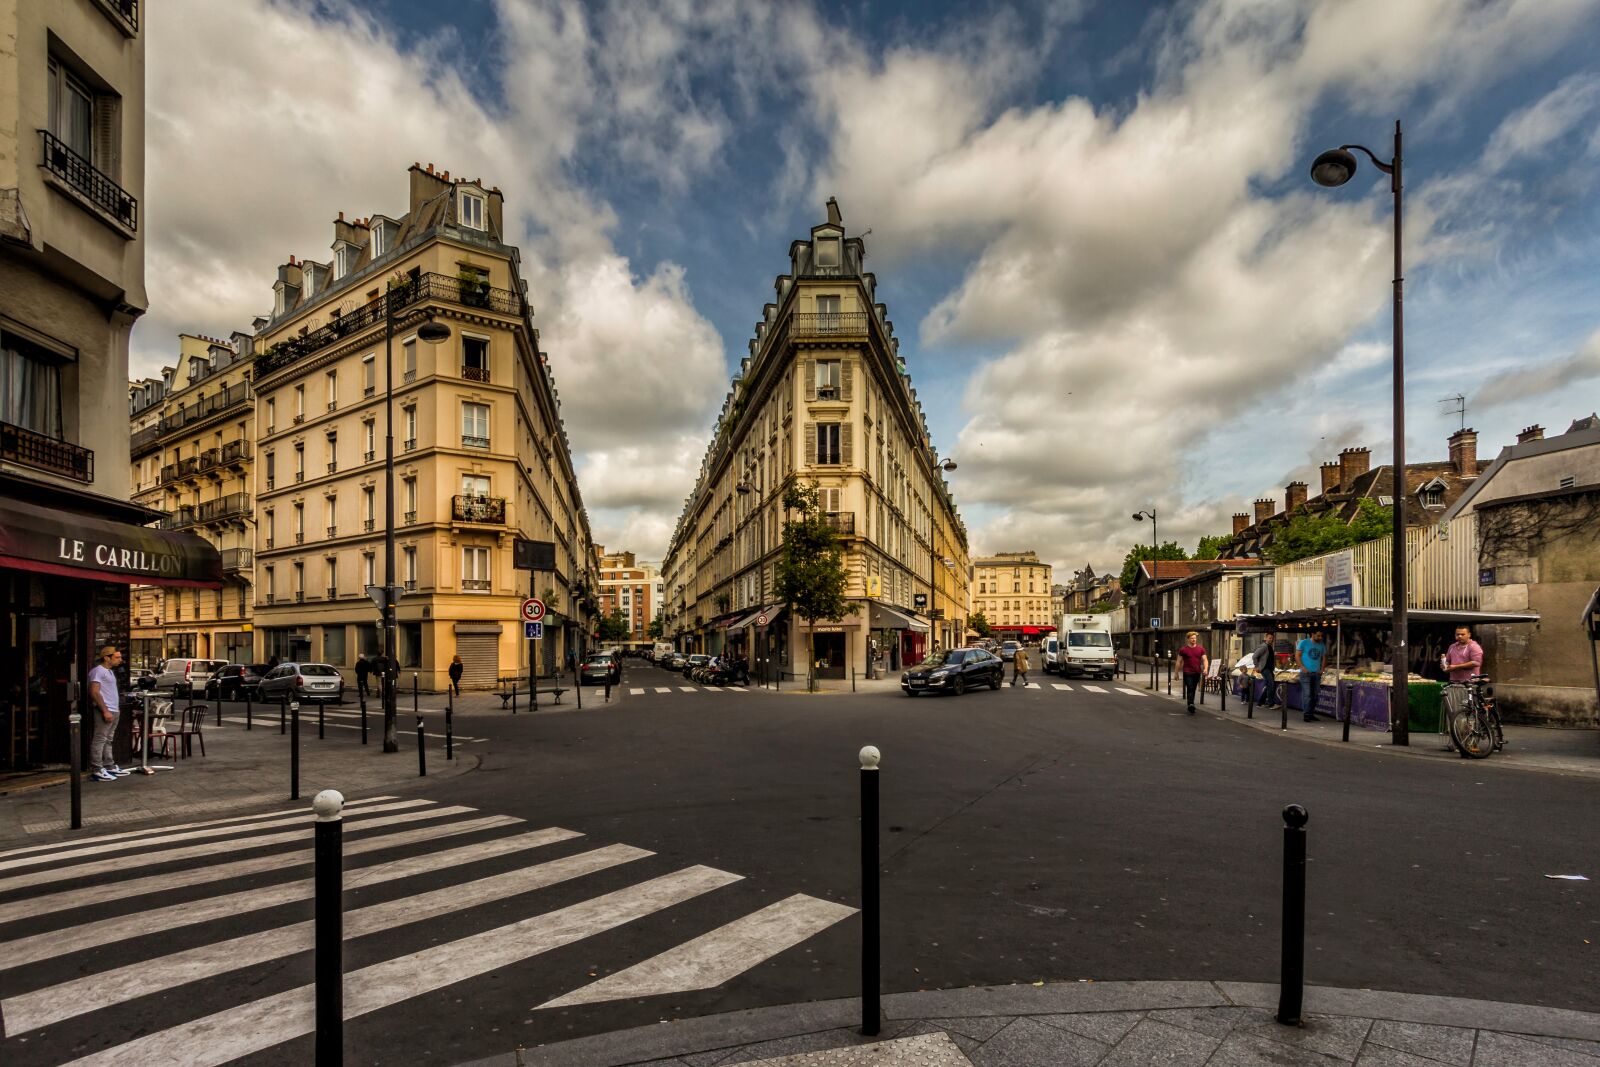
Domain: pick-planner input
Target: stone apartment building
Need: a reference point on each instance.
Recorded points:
(71, 287)
(191, 448)
(480, 454)
(629, 586)
(1012, 589)
(823, 398)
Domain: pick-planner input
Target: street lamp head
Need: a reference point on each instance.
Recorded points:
(433, 332)
(948, 465)
(1138, 516)
(1333, 168)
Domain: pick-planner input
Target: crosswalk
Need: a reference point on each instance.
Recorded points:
(1088, 688)
(639, 691)
(116, 948)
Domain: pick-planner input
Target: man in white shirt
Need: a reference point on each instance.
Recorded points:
(107, 705)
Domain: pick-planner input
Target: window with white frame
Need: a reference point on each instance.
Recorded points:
(380, 240)
(369, 374)
(474, 485)
(475, 569)
(411, 427)
(369, 503)
(827, 379)
(369, 569)
(272, 414)
(333, 389)
(827, 442)
(471, 210)
(344, 258)
(408, 357)
(369, 439)
(475, 425)
(408, 567)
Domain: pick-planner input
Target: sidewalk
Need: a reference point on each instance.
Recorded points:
(1109, 1024)
(243, 770)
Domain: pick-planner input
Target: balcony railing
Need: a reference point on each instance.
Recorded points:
(126, 10)
(367, 525)
(845, 324)
(411, 444)
(843, 522)
(272, 598)
(471, 441)
(235, 560)
(232, 506)
(202, 409)
(487, 509)
(188, 466)
(411, 585)
(143, 439)
(425, 287)
(333, 592)
(333, 466)
(368, 456)
(475, 585)
(299, 596)
(88, 182)
(410, 518)
(333, 531)
(18, 444)
(475, 374)
(235, 452)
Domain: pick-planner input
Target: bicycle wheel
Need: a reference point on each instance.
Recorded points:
(1475, 737)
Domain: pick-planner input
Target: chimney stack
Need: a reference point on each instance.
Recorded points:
(1264, 509)
(1464, 452)
(1294, 494)
(1353, 463)
(1330, 477)
(1241, 522)
(1531, 433)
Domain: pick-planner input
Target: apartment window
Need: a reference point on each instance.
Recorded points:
(1016, 587)
(299, 463)
(344, 257)
(408, 357)
(332, 563)
(475, 359)
(272, 468)
(408, 568)
(269, 586)
(369, 500)
(272, 414)
(827, 442)
(471, 211)
(475, 569)
(333, 451)
(333, 389)
(72, 113)
(299, 523)
(369, 375)
(271, 527)
(474, 485)
(380, 240)
(369, 569)
(475, 425)
(827, 251)
(411, 428)
(411, 500)
(369, 439)
(827, 379)
(299, 403)
(298, 577)
(332, 511)
(30, 386)
(827, 313)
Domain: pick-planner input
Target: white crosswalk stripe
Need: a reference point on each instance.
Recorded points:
(79, 974)
(663, 689)
(1030, 685)
(1061, 686)
(636, 692)
(376, 725)
(1130, 692)
(1092, 688)
(686, 689)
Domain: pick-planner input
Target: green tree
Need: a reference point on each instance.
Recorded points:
(1130, 562)
(657, 629)
(1211, 546)
(978, 623)
(810, 575)
(1312, 535)
(614, 627)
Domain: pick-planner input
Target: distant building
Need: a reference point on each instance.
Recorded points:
(1089, 590)
(1012, 589)
(631, 588)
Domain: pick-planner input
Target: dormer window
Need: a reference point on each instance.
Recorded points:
(344, 258)
(1431, 494)
(828, 252)
(380, 240)
(470, 210)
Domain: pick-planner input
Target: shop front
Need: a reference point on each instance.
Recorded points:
(64, 578)
(897, 638)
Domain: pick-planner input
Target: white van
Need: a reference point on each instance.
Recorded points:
(1086, 646)
(1049, 651)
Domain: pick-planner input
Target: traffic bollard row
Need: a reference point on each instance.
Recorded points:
(1291, 986)
(449, 725)
(362, 697)
(328, 927)
(870, 938)
(294, 750)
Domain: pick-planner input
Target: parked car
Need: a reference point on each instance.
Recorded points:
(187, 672)
(1049, 650)
(307, 682)
(601, 668)
(696, 660)
(1008, 650)
(235, 680)
(673, 661)
(141, 678)
(954, 670)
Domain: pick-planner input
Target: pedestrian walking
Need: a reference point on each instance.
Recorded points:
(455, 673)
(1195, 664)
(1309, 653)
(1019, 665)
(1265, 662)
(108, 706)
(363, 669)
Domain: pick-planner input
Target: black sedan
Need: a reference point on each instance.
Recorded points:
(602, 668)
(954, 671)
(235, 680)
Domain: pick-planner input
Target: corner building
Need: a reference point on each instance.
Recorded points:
(480, 454)
(823, 398)
(1013, 591)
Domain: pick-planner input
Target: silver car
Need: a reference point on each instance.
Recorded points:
(305, 682)
(187, 672)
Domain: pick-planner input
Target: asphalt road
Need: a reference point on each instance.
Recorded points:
(1028, 835)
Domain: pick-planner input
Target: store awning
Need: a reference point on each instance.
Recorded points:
(75, 545)
(1025, 631)
(883, 617)
(771, 613)
(1305, 618)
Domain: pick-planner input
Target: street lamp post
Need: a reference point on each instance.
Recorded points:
(1333, 168)
(1140, 516)
(433, 333)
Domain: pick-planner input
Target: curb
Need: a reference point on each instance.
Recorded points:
(733, 1030)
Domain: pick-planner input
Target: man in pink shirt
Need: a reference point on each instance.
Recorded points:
(1464, 659)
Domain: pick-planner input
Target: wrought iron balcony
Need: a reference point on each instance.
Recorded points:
(843, 522)
(333, 466)
(232, 506)
(333, 592)
(88, 182)
(411, 444)
(18, 444)
(333, 531)
(190, 414)
(235, 452)
(299, 596)
(272, 598)
(475, 374)
(367, 525)
(410, 518)
(475, 585)
(845, 324)
(144, 439)
(471, 441)
(368, 456)
(123, 12)
(238, 560)
(487, 509)
(186, 515)
(411, 585)
(439, 288)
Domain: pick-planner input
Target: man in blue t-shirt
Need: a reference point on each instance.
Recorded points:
(1308, 654)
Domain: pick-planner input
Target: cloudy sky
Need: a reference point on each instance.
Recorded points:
(1116, 287)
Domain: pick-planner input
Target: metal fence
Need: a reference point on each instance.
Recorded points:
(1441, 571)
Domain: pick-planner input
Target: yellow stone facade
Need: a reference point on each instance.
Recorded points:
(1012, 590)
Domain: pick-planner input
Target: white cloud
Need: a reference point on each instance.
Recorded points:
(1533, 129)
(1525, 381)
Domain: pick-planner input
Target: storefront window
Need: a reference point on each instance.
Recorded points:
(333, 649)
(410, 641)
(369, 642)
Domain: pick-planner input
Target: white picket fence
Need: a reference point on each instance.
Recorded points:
(1441, 571)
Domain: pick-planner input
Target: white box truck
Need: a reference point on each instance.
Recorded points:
(1085, 648)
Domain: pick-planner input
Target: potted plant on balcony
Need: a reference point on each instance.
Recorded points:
(474, 287)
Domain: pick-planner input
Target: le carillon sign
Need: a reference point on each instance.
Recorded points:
(75, 545)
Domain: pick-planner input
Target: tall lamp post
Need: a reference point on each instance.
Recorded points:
(433, 333)
(1140, 516)
(1332, 169)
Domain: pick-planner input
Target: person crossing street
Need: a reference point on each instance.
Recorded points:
(1195, 663)
(1019, 665)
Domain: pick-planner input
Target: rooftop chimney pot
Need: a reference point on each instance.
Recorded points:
(1330, 476)
(1294, 494)
(1531, 433)
(1464, 452)
(1353, 463)
(1265, 506)
(1241, 521)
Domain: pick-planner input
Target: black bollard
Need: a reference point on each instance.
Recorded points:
(1283, 708)
(75, 742)
(608, 692)
(852, 679)
(1250, 697)
(422, 756)
(328, 927)
(449, 726)
(870, 967)
(1291, 987)
(322, 719)
(1348, 699)
(415, 695)
(294, 750)
(362, 697)
(283, 714)
(219, 703)
(1223, 690)
(1169, 674)
(249, 710)
(513, 698)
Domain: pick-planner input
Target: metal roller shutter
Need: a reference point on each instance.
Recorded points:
(480, 658)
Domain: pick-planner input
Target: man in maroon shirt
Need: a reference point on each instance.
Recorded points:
(1195, 663)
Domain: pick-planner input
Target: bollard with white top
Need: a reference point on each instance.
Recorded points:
(870, 968)
(328, 926)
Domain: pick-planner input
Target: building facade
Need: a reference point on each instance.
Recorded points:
(1012, 589)
(629, 587)
(192, 434)
(823, 399)
(71, 288)
(480, 455)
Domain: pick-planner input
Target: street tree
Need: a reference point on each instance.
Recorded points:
(979, 624)
(657, 629)
(1211, 546)
(614, 627)
(1138, 553)
(810, 575)
(1311, 535)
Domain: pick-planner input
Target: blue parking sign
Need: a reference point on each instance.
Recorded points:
(533, 631)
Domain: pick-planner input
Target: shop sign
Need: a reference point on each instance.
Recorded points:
(116, 558)
(919, 600)
(1339, 580)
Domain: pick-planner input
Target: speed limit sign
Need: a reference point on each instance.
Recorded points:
(533, 610)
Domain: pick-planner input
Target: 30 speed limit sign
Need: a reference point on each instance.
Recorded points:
(533, 610)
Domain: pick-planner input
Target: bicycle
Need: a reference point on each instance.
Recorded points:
(1474, 720)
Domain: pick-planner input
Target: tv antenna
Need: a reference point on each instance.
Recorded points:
(1458, 406)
